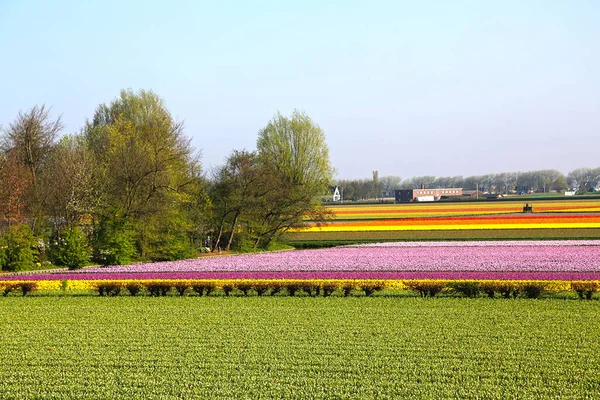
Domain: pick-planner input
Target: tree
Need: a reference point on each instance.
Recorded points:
(148, 169)
(294, 152)
(30, 139)
(69, 183)
(14, 185)
(31, 136)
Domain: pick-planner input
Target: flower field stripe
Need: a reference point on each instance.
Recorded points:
(395, 284)
(341, 212)
(403, 227)
(52, 281)
(363, 261)
(520, 221)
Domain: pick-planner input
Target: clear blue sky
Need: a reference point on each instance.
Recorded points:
(403, 87)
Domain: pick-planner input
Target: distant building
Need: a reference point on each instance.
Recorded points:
(408, 195)
(336, 195)
(473, 194)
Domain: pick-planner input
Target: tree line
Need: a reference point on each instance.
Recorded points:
(581, 180)
(130, 187)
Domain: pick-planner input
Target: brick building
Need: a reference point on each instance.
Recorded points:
(408, 195)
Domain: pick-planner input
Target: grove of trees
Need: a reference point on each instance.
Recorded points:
(581, 180)
(129, 186)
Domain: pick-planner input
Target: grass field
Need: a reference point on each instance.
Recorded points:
(385, 347)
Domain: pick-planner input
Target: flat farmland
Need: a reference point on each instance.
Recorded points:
(284, 347)
(495, 220)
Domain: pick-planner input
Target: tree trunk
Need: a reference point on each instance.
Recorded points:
(235, 220)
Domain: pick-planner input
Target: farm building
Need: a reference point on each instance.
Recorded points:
(408, 195)
(473, 194)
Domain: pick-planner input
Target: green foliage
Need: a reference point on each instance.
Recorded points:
(585, 290)
(245, 347)
(70, 249)
(113, 242)
(18, 248)
(466, 288)
(172, 247)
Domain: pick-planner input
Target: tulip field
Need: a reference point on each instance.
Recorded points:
(298, 347)
(493, 220)
(416, 316)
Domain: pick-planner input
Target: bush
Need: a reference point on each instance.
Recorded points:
(113, 243)
(133, 288)
(227, 289)
(585, 289)
(426, 288)
(71, 249)
(292, 288)
(24, 287)
(328, 289)
(109, 288)
(244, 287)
(311, 288)
(158, 288)
(260, 288)
(533, 290)
(466, 288)
(371, 287)
(275, 288)
(348, 288)
(204, 287)
(28, 287)
(181, 288)
(172, 247)
(17, 248)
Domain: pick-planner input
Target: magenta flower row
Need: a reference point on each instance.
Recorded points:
(571, 256)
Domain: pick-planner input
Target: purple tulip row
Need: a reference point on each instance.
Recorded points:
(392, 275)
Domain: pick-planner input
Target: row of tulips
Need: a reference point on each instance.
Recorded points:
(311, 287)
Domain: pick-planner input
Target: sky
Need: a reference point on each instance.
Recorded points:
(407, 88)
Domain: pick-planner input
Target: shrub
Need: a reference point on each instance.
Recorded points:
(109, 288)
(182, 287)
(260, 288)
(328, 289)
(466, 288)
(533, 290)
(17, 248)
(158, 288)
(9, 287)
(202, 288)
(292, 288)
(585, 289)
(28, 287)
(71, 249)
(310, 288)
(113, 243)
(275, 288)
(133, 288)
(227, 289)
(426, 288)
(371, 287)
(244, 287)
(348, 288)
(172, 247)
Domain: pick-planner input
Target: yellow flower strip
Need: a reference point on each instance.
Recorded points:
(48, 285)
(455, 209)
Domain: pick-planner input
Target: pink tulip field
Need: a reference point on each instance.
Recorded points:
(548, 260)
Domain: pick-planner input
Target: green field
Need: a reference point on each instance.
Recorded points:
(322, 239)
(236, 347)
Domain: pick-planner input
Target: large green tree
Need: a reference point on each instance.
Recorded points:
(293, 150)
(149, 171)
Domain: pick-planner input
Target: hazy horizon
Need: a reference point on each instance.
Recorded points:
(407, 89)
